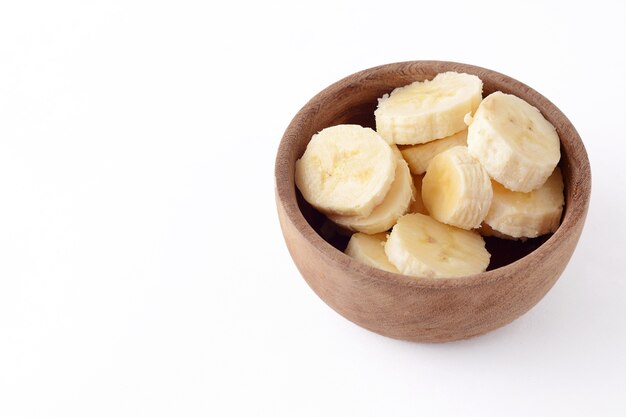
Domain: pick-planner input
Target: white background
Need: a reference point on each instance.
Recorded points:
(142, 268)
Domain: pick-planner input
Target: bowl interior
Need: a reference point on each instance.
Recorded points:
(354, 99)
(503, 252)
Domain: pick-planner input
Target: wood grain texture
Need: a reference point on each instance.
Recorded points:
(424, 309)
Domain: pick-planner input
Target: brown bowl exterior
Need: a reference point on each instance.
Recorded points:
(424, 309)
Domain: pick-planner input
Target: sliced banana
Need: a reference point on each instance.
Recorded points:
(487, 231)
(420, 246)
(419, 156)
(346, 169)
(456, 189)
(525, 215)
(417, 205)
(427, 110)
(395, 204)
(370, 250)
(517, 146)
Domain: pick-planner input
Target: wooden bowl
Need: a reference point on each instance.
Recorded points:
(424, 309)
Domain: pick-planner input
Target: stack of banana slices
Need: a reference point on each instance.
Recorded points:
(443, 168)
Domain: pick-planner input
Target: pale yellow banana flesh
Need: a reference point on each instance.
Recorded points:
(364, 183)
(516, 215)
(369, 249)
(420, 246)
(517, 146)
(346, 170)
(424, 111)
(486, 230)
(456, 189)
(394, 205)
(419, 156)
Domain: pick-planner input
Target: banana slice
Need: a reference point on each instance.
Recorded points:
(517, 146)
(419, 245)
(522, 215)
(456, 189)
(370, 250)
(419, 156)
(417, 205)
(424, 111)
(486, 230)
(346, 169)
(394, 205)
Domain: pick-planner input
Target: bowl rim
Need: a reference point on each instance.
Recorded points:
(286, 193)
